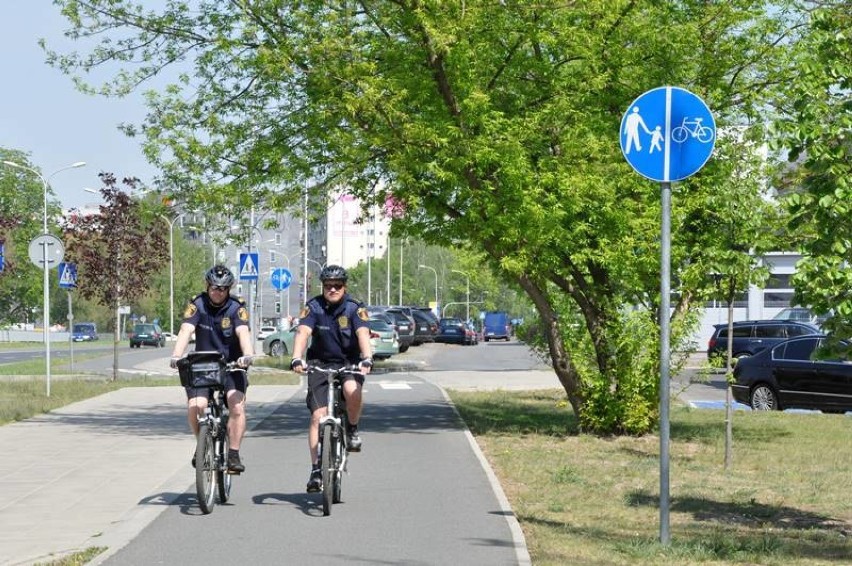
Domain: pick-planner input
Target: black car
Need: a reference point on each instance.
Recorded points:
(800, 373)
(425, 327)
(451, 331)
(147, 334)
(753, 336)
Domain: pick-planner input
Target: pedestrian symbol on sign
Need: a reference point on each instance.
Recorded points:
(248, 267)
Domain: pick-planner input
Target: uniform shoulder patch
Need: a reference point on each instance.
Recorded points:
(243, 314)
(363, 314)
(190, 310)
(304, 312)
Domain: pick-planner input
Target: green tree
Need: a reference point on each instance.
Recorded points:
(492, 124)
(817, 133)
(21, 210)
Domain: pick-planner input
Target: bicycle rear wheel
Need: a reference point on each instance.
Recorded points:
(327, 461)
(205, 469)
(223, 478)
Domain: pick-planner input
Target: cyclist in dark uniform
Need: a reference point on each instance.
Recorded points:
(220, 323)
(336, 324)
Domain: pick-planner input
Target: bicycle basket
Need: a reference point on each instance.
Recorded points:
(202, 369)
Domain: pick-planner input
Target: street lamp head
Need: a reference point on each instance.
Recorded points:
(78, 164)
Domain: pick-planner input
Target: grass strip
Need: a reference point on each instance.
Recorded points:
(583, 499)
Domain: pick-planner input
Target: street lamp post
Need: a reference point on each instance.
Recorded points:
(46, 280)
(320, 266)
(467, 297)
(171, 270)
(421, 266)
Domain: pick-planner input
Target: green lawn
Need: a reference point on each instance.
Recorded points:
(582, 499)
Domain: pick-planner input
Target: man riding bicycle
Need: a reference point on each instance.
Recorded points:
(220, 323)
(337, 326)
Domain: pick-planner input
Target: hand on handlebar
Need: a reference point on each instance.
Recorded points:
(245, 361)
(298, 365)
(173, 362)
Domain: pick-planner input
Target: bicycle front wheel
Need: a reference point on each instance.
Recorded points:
(329, 446)
(205, 469)
(679, 134)
(223, 478)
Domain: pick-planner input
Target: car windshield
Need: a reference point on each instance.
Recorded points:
(143, 329)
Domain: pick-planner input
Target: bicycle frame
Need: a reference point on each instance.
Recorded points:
(211, 471)
(333, 447)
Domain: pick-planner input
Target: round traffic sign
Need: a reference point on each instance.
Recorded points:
(46, 248)
(281, 278)
(667, 134)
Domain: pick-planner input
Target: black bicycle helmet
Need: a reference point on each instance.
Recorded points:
(334, 272)
(220, 275)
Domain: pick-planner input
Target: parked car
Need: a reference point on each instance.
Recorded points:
(280, 342)
(801, 314)
(84, 332)
(496, 326)
(404, 328)
(265, 331)
(147, 335)
(425, 327)
(471, 335)
(752, 336)
(800, 373)
(451, 331)
(383, 339)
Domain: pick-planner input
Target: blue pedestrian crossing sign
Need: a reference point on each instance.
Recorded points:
(248, 267)
(281, 278)
(68, 275)
(667, 134)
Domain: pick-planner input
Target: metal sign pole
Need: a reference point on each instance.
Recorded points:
(665, 294)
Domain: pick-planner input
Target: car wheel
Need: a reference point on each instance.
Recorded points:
(277, 349)
(403, 349)
(763, 398)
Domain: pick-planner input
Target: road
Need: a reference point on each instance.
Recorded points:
(417, 494)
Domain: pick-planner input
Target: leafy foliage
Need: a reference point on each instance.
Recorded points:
(817, 133)
(117, 251)
(490, 124)
(21, 212)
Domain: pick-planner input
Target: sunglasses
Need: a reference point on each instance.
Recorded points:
(332, 286)
(218, 288)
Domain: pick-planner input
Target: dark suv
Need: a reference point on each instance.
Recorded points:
(150, 334)
(752, 336)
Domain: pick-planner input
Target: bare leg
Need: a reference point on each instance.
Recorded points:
(313, 433)
(352, 392)
(237, 418)
(195, 408)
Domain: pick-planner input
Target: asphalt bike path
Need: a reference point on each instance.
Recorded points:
(418, 493)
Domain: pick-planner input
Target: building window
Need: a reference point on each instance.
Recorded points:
(779, 281)
(777, 299)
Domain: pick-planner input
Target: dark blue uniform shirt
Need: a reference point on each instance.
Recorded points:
(216, 327)
(333, 339)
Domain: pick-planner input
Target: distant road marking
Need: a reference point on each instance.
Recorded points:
(393, 384)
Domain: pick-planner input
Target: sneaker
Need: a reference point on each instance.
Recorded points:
(235, 466)
(315, 481)
(353, 443)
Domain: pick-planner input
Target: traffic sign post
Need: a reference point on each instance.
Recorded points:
(666, 134)
(281, 279)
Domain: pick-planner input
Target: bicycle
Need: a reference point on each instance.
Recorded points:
(334, 450)
(704, 134)
(212, 478)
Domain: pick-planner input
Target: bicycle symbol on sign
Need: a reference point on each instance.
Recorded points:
(704, 134)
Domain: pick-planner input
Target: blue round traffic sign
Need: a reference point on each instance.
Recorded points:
(281, 278)
(667, 134)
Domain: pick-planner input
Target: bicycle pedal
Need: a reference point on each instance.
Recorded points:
(233, 472)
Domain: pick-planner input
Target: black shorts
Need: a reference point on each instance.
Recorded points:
(318, 385)
(236, 380)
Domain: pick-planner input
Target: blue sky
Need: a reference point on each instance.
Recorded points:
(42, 114)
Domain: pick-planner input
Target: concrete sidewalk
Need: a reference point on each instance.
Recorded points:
(96, 472)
